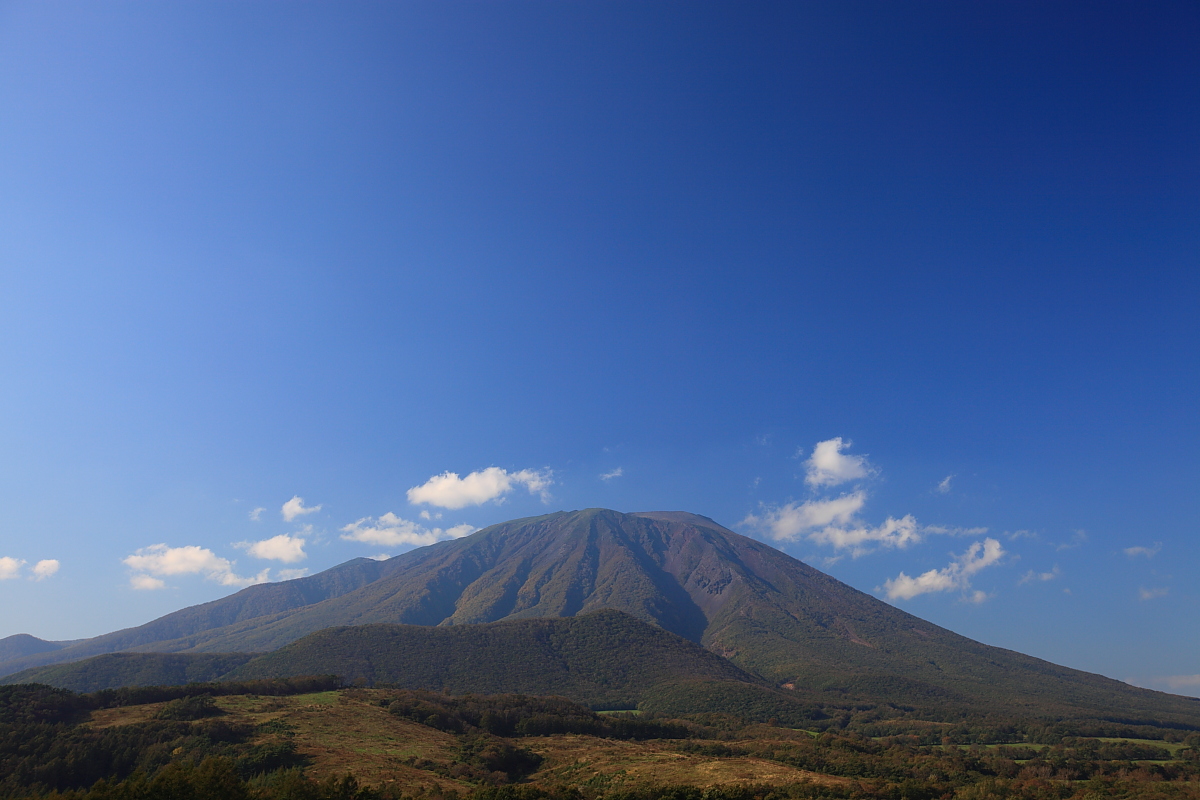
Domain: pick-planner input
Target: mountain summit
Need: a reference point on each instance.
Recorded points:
(770, 614)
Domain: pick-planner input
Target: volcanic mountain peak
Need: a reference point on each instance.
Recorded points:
(769, 613)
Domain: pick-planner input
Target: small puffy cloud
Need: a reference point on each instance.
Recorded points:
(1153, 592)
(616, 473)
(256, 514)
(833, 522)
(944, 486)
(1148, 552)
(145, 583)
(954, 577)
(790, 521)
(290, 574)
(858, 540)
(450, 491)
(426, 515)
(10, 568)
(295, 508)
(1031, 576)
(828, 466)
(45, 568)
(159, 560)
(392, 531)
(285, 548)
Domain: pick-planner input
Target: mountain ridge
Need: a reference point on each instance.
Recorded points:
(770, 614)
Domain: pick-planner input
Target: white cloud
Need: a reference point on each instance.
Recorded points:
(1148, 552)
(892, 533)
(450, 491)
(955, 576)
(616, 473)
(392, 531)
(1153, 592)
(45, 568)
(944, 486)
(828, 467)
(145, 583)
(789, 522)
(257, 513)
(295, 508)
(285, 548)
(1040, 576)
(426, 515)
(291, 574)
(10, 568)
(833, 522)
(161, 561)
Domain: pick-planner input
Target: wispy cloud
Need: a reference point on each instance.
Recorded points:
(1077, 539)
(295, 508)
(450, 491)
(828, 466)
(157, 561)
(291, 574)
(1148, 552)
(954, 577)
(1031, 576)
(1152, 592)
(285, 548)
(1182, 681)
(616, 473)
(390, 530)
(10, 568)
(256, 514)
(944, 486)
(45, 568)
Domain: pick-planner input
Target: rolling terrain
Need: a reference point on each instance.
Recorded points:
(772, 616)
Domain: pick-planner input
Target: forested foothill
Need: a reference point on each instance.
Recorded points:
(313, 738)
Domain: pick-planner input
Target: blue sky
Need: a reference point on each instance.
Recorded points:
(905, 289)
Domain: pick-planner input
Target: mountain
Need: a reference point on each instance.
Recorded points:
(605, 659)
(22, 644)
(115, 670)
(770, 614)
(249, 606)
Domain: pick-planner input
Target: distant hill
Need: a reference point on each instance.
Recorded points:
(770, 614)
(115, 670)
(247, 608)
(22, 644)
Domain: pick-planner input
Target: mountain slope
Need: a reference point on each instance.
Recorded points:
(769, 613)
(115, 670)
(606, 658)
(251, 606)
(22, 644)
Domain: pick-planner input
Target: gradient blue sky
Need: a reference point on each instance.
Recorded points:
(258, 251)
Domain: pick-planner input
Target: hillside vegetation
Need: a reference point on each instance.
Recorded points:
(292, 743)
